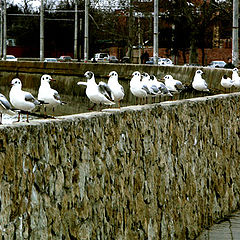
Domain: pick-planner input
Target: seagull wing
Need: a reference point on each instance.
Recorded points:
(145, 88)
(104, 89)
(4, 102)
(154, 89)
(122, 89)
(179, 86)
(56, 95)
(29, 97)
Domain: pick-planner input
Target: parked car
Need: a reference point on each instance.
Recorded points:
(113, 59)
(50, 60)
(161, 61)
(217, 64)
(11, 58)
(125, 60)
(100, 57)
(65, 59)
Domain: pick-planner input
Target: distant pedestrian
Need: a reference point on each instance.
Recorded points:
(144, 57)
(229, 64)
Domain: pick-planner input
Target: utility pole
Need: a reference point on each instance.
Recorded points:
(86, 46)
(80, 42)
(155, 33)
(42, 31)
(235, 49)
(1, 31)
(4, 30)
(76, 30)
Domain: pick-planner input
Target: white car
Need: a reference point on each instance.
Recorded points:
(217, 64)
(11, 58)
(165, 62)
(100, 57)
(50, 60)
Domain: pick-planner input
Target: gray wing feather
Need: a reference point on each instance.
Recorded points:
(4, 102)
(145, 88)
(179, 86)
(29, 97)
(56, 96)
(154, 89)
(105, 90)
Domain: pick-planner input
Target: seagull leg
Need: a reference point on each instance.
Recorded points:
(1, 119)
(118, 104)
(92, 106)
(18, 117)
(27, 118)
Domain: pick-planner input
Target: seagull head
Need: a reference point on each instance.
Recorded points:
(153, 78)
(16, 82)
(235, 70)
(89, 75)
(113, 74)
(46, 78)
(200, 72)
(144, 74)
(136, 74)
(168, 77)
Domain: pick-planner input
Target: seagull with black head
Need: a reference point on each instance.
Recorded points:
(97, 93)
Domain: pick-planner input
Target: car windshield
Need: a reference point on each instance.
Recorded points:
(10, 57)
(103, 55)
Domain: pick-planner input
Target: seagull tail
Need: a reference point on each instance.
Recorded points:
(10, 112)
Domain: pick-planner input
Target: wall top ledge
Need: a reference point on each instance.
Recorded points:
(109, 111)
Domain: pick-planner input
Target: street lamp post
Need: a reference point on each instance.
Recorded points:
(76, 30)
(155, 33)
(42, 31)
(86, 46)
(235, 49)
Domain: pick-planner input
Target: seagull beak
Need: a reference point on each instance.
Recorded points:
(53, 79)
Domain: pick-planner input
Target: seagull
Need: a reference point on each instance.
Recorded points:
(117, 90)
(136, 86)
(199, 83)
(152, 88)
(20, 99)
(48, 95)
(164, 90)
(97, 93)
(172, 84)
(226, 81)
(235, 77)
(5, 107)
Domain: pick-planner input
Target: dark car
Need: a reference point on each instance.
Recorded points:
(113, 59)
(125, 60)
(65, 59)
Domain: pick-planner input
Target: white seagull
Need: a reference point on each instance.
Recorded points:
(226, 81)
(161, 86)
(172, 84)
(20, 99)
(117, 90)
(148, 83)
(5, 107)
(235, 77)
(48, 95)
(199, 83)
(97, 93)
(136, 87)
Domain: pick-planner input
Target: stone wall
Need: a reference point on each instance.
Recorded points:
(160, 171)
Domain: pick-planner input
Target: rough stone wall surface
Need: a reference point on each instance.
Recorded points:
(160, 171)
